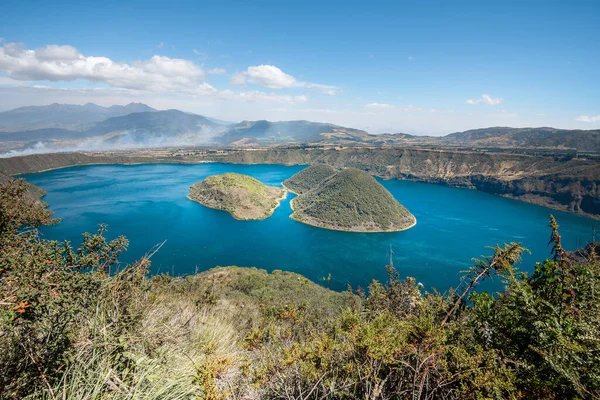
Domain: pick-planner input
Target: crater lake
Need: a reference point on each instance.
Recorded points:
(148, 205)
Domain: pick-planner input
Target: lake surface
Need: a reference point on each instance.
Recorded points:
(148, 204)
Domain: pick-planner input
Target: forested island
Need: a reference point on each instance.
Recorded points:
(350, 200)
(243, 196)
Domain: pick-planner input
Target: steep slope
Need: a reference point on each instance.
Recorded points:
(309, 178)
(353, 201)
(66, 116)
(244, 197)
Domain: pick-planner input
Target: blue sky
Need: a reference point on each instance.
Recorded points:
(427, 67)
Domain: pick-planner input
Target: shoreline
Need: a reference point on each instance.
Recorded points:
(279, 199)
(346, 230)
(121, 161)
(351, 231)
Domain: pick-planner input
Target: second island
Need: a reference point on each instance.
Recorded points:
(244, 197)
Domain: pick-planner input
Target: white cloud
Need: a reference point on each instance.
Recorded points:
(261, 97)
(504, 114)
(270, 76)
(216, 71)
(323, 89)
(381, 106)
(585, 118)
(157, 75)
(204, 90)
(66, 63)
(486, 99)
(274, 78)
(5, 80)
(238, 79)
(384, 106)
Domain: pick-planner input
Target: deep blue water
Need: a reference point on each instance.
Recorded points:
(148, 204)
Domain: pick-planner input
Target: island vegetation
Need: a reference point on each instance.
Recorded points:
(243, 196)
(309, 178)
(77, 324)
(350, 200)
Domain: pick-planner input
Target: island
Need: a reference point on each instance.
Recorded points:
(243, 196)
(350, 200)
(309, 178)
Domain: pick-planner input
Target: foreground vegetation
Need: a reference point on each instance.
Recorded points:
(76, 324)
(243, 196)
(350, 200)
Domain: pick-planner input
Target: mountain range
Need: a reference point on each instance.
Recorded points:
(64, 127)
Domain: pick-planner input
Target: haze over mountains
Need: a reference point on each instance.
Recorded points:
(63, 127)
(67, 116)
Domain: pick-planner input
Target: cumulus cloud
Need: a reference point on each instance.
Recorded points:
(586, 118)
(274, 78)
(66, 63)
(486, 99)
(156, 75)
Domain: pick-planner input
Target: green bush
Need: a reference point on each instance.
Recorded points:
(74, 326)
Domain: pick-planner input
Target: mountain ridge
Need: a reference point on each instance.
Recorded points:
(24, 127)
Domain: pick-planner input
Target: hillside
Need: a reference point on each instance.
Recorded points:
(244, 197)
(65, 116)
(80, 324)
(267, 132)
(167, 128)
(543, 137)
(309, 178)
(91, 127)
(352, 201)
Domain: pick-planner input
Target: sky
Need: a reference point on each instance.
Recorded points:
(420, 67)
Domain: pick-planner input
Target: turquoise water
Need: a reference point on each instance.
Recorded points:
(148, 204)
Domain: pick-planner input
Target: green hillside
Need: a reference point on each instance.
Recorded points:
(351, 200)
(76, 323)
(244, 197)
(309, 178)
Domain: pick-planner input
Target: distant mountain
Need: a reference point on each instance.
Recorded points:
(163, 123)
(544, 137)
(136, 123)
(266, 132)
(221, 122)
(168, 128)
(65, 116)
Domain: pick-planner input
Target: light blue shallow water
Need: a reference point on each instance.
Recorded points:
(148, 204)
